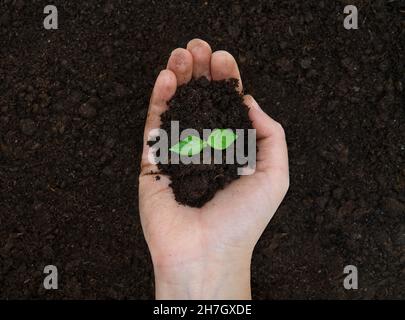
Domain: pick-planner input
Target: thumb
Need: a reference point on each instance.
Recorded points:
(272, 157)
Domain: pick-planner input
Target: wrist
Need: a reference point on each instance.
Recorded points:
(204, 278)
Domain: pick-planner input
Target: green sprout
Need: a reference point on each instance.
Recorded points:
(219, 139)
(189, 146)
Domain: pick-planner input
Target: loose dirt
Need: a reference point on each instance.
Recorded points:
(200, 105)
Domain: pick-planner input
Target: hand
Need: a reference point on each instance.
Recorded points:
(205, 253)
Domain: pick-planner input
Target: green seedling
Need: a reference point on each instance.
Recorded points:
(189, 146)
(219, 139)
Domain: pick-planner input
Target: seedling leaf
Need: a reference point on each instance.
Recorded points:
(189, 146)
(221, 139)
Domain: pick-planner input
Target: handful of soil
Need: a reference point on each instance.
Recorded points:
(199, 105)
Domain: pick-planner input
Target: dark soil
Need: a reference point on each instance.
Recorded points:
(200, 105)
(73, 103)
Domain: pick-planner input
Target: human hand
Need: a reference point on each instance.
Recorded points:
(205, 253)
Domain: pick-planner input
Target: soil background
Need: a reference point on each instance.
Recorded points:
(72, 107)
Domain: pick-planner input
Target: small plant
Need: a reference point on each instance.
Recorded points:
(219, 139)
(189, 146)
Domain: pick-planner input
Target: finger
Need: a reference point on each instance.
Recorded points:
(224, 66)
(164, 89)
(181, 63)
(201, 52)
(272, 156)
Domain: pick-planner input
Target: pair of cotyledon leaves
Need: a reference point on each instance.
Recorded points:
(219, 139)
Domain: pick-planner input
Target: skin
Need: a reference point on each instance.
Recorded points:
(205, 253)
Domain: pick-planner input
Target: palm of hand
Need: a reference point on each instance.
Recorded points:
(234, 219)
